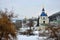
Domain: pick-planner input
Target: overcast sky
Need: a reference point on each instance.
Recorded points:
(30, 8)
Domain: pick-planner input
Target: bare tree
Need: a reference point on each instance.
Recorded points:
(30, 24)
(53, 31)
(6, 26)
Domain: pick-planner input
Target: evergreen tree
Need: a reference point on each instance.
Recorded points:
(38, 21)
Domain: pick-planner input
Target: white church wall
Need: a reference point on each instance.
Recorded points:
(44, 18)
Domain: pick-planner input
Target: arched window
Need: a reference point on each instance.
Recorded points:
(43, 22)
(43, 18)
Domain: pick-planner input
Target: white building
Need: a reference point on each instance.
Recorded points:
(43, 19)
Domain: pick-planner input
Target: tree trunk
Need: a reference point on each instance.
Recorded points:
(1, 35)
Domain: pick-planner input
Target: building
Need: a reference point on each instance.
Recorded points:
(43, 19)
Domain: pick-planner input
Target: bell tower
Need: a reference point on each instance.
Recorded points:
(43, 17)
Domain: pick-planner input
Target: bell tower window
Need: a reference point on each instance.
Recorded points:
(43, 18)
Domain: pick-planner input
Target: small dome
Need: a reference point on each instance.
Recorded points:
(43, 14)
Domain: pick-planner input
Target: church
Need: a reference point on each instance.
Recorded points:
(42, 19)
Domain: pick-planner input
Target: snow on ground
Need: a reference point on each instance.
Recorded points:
(24, 37)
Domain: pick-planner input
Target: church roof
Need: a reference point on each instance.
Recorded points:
(43, 13)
